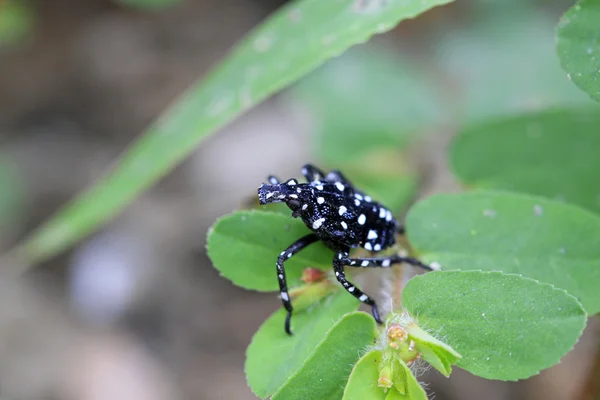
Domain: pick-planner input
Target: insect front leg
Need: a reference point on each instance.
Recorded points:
(339, 260)
(283, 290)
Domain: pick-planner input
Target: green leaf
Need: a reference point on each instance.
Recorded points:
(16, 20)
(367, 100)
(541, 239)
(152, 5)
(244, 247)
(362, 383)
(324, 374)
(395, 190)
(366, 373)
(273, 356)
(499, 71)
(434, 351)
(505, 326)
(293, 41)
(550, 153)
(579, 46)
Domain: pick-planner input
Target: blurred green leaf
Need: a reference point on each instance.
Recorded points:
(367, 100)
(504, 62)
(11, 193)
(542, 239)
(579, 45)
(506, 327)
(551, 153)
(325, 372)
(273, 357)
(149, 4)
(16, 21)
(293, 41)
(244, 247)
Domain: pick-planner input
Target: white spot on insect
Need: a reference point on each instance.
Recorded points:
(386, 262)
(293, 196)
(337, 273)
(273, 180)
(538, 210)
(281, 196)
(342, 210)
(320, 200)
(282, 253)
(377, 247)
(388, 215)
(304, 171)
(292, 182)
(382, 212)
(289, 255)
(269, 195)
(319, 187)
(351, 289)
(262, 43)
(368, 199)
(363, 297)
(436, 266)
(280, 276)
(298, 190)
(284, 296)
(372, 234)
(362, 219)
(340, 186)
(356, 202)
(364, 263)
(489, 213)
(353, 263)
(344, 225)
(317, 224)
(358, 196)
(368, 246)
(305, 206)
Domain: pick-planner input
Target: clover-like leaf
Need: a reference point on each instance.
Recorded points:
(539, 238)
(324, 374)
(579, 45)
(273, 357)
(290, 43)
(551, 153)
(244, 247)
(505, 326)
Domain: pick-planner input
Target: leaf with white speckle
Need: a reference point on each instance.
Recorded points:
(579, 45)
(505, 326)
(541, 239)
(290, 43)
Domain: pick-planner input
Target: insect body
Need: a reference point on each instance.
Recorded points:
(342, 218)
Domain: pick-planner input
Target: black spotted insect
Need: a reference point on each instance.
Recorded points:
(341, 217)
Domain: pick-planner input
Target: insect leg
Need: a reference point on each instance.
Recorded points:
(312, 173)
(385, 262)
(338, 267)
(287, 253)
(273, 180)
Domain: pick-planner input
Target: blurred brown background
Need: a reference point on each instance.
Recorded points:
(136, 311)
